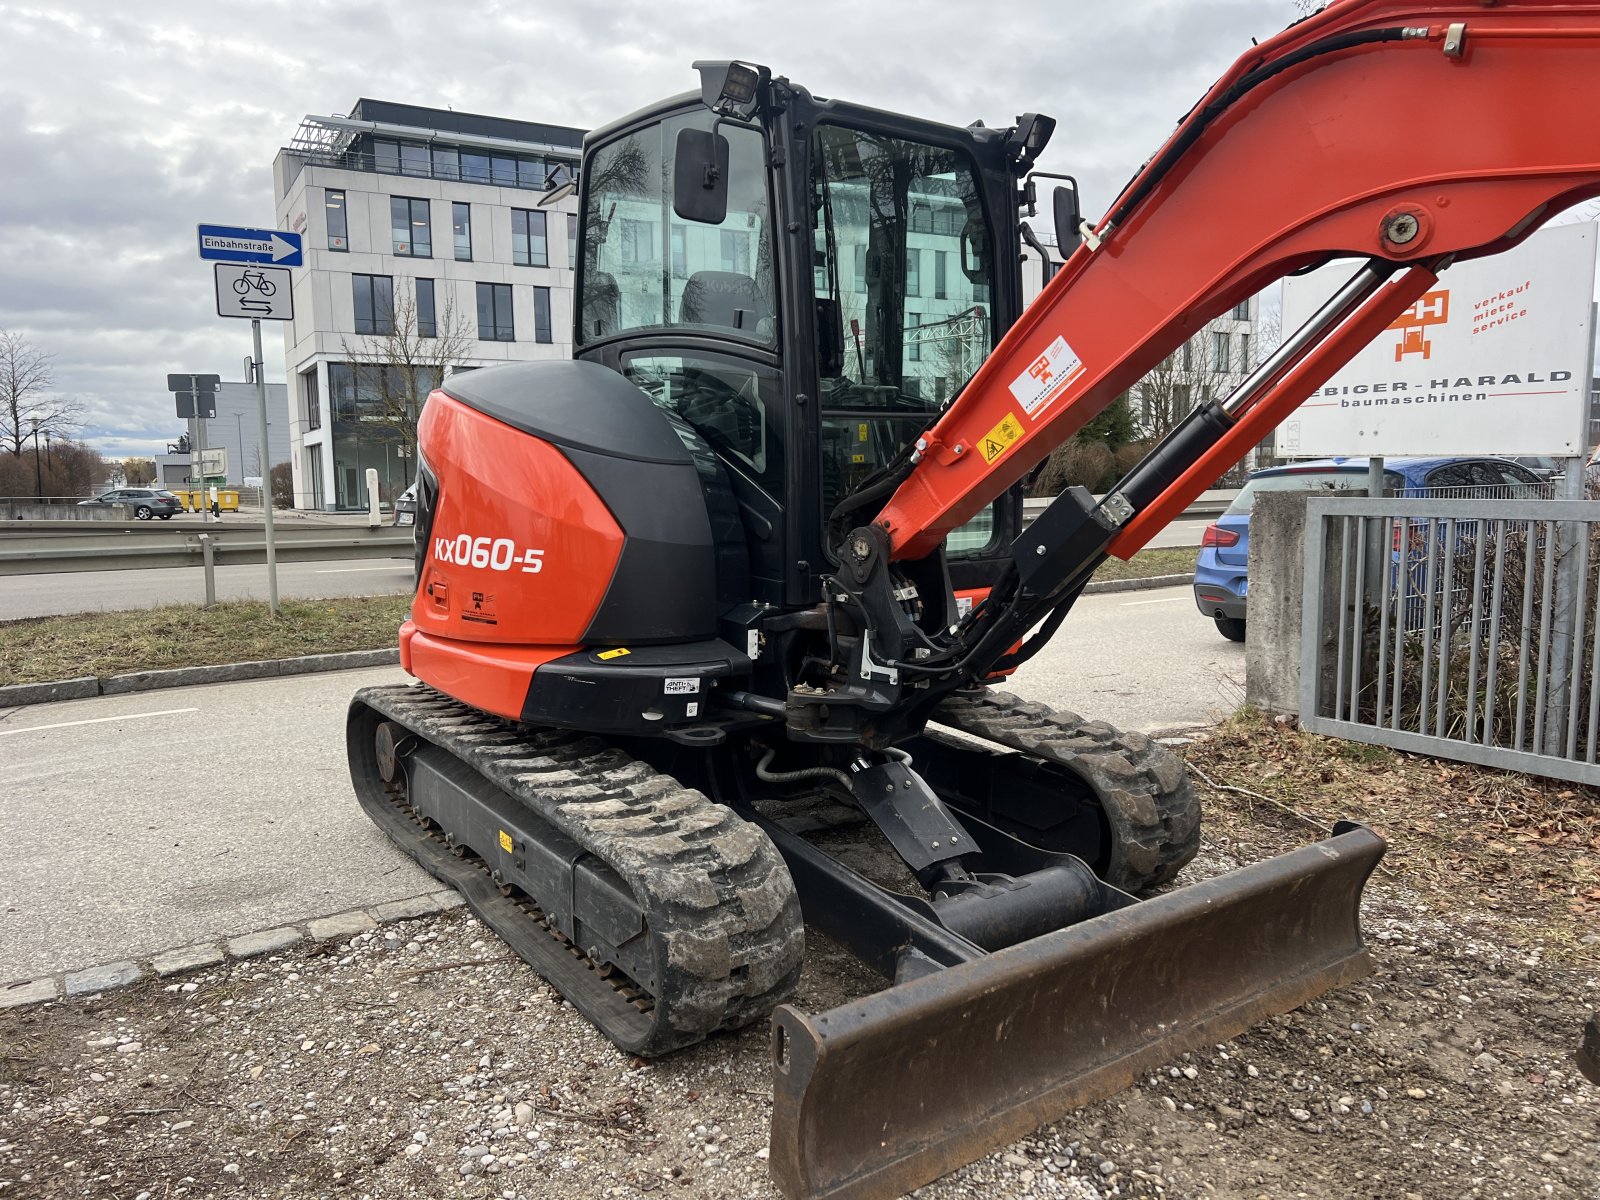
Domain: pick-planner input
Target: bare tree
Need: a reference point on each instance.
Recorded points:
(395, 371)
(25, 406)
(1180, 381)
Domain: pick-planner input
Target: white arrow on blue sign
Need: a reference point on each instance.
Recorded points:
(228, 243)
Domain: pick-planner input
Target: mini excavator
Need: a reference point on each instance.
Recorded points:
(756, 554)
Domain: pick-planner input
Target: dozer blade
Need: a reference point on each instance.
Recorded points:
(886, 1093)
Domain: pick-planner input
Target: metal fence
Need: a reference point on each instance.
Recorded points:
(1460, 628)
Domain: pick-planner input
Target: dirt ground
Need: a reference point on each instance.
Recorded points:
(419, 1060)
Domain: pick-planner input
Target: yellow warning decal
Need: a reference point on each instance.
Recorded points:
(505, 841)
(999, 439)
(608, 655)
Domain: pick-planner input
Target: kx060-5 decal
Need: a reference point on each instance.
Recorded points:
(496, 554)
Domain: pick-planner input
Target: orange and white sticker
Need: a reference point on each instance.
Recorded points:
(1000, 439)
(1047, 377)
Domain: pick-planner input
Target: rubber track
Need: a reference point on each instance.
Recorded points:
(718, 900)
(1141, 785)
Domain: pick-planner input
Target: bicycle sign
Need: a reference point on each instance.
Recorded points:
(255, 293)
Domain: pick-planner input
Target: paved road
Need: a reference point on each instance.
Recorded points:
(140, 823)
(91, 591)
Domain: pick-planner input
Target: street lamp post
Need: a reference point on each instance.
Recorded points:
(38, 472)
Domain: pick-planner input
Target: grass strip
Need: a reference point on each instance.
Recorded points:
(42, 649)
(1168, 560)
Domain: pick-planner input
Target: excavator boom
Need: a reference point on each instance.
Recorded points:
(1405, 134)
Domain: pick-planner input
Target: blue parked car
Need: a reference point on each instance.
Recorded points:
(1220, 579)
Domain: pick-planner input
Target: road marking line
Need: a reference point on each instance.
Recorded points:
(1163, 600)
(165, 712)
(358, 570)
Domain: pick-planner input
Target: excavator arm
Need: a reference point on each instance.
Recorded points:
(1407, 135)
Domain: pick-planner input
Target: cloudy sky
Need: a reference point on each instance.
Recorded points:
(124, 125)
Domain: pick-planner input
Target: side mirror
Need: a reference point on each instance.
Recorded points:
(830, 339)
(700, 177)
(1064, 206)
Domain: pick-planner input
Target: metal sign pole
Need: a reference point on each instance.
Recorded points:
(194, 459)
(266, 468)
(200, 423)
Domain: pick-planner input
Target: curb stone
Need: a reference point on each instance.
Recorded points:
(1149, 583)
(167, 963)
(85, 687)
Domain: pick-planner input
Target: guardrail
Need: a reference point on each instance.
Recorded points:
(29, 551)
(44, 547)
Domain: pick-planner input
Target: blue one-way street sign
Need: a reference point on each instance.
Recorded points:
(228, 243)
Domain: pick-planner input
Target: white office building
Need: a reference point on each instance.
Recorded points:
(422, 227)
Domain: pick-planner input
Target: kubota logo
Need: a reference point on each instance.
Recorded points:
(1432, 309)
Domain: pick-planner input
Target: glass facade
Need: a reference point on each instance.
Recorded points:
(461, 225)
(366, 406)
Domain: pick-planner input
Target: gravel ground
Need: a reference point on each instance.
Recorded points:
(419, 1060)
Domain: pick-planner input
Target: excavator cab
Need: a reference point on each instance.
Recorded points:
(808, 284)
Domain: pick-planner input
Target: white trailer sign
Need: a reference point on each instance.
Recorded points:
(1494, 359)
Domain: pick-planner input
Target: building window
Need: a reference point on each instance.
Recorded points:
(1241, 311)
(427, 326)
(308, 384)
(1219, 350)
(530, 173)
(374, 301)
(1244, 352)
(409, 229)
(338, 226)
(414, 159)
(503, 171)
(529, 246)
(913, 272)
(941, 264)
(461, 223)
(494, 313)
(1188, 356)
(572, 241)
(638, 241)
(736, 251)
(386, 156)
(475, 167)
(680, 258)
(446, 162)
(914, 349)
(541, 315)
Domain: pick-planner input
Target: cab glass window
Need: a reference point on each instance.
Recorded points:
(647, 268)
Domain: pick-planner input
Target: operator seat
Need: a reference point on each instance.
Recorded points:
(725, 298)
